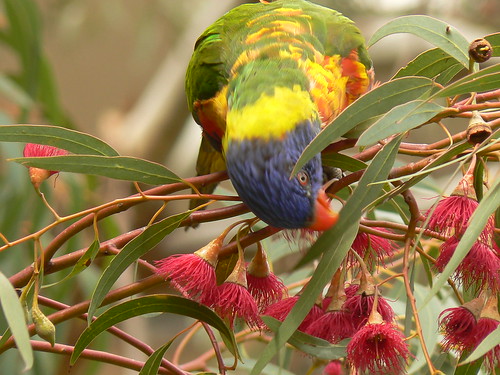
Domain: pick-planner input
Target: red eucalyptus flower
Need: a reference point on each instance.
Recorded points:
(372, 248)
(334, 368)
(465, 327)
(378, 348)
(360, 304)
(233, 298)
(38, 175)
(332, 326)
(281, 309)
(457, 325)
(487, 323)
(336, 323)
(451, 215)
(193, 274)
(264, 285)
(479, 268)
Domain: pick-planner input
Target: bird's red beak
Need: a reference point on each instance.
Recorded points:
(324, 216)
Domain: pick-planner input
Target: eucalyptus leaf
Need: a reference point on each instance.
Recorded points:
(432, 63)
(70, 140)
(483, 80)
(132, 251)
(344, 162)
(154, 361)
(82, 263)
(494, 40)
(434, 31)
(399, 119)
(118, 167)
(13, 312)
(147, 305)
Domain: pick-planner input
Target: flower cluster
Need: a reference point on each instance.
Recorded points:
(480, 268)
(358, 312)
(465, 327)
(245, 292)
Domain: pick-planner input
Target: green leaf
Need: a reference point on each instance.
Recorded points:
(154, 361)
(334, 245)
(477, 222)
(471, 368)
(492, 340)
(132, 251)
(70, 140)
(14, 315)
(148, 305)
(399, 119)
(483, 80)
(434, 31)
(118, 167)
(344, 162)
(432, 63)
(494, 40)
(311, 345)
(374, 103)
(82, 263)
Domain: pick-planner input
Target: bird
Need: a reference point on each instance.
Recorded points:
(262, 82)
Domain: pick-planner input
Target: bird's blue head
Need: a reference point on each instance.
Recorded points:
(260, 171)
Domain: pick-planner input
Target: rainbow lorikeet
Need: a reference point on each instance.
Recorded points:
(262, 82)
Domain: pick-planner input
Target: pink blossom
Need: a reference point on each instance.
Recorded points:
(378, 349)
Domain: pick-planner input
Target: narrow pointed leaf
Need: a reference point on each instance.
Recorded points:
(14, 315)
(154, 361)
(344, 162)
(430, 64)
(471, 368)
(483, 80)
(334, 245)
(434, 31)
(309, 344)
(477, 222)
(117, 167)
(148, 305)
(70, 140)
(367, 190)
(129, 254)
(374, 103)
(399, 119)
(492, 340)
(494, 40)
(82, 263)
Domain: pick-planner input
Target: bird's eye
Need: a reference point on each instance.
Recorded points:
(303, 178)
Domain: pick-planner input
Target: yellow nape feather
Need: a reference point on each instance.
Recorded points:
(270, 116)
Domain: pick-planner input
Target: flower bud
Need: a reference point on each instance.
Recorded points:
(38, 175)
(43, 326)
(480, 50)
(478, 130)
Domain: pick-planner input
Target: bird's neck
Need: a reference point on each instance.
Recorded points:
(266, 103)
